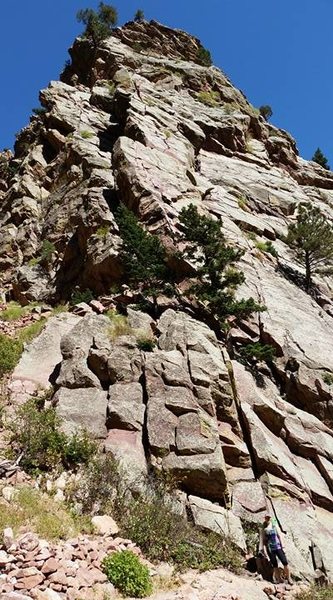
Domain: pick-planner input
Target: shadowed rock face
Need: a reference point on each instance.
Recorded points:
(140, 121)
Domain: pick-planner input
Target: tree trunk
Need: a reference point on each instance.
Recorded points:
(307, 272)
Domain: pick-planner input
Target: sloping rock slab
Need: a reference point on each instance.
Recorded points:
(40, 358)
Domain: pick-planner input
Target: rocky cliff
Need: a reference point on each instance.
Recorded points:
(140, 121)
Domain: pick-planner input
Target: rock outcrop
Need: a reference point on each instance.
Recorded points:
(141, 121)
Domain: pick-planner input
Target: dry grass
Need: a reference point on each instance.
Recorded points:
(119, 325)
(38, 512)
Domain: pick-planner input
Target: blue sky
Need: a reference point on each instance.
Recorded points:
(278, 52)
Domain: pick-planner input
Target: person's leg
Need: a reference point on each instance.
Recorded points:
(274, 563)
(286, 570)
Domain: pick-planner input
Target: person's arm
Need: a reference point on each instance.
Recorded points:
(262, 541)
(279, 534)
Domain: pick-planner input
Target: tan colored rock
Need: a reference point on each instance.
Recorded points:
(105, 525)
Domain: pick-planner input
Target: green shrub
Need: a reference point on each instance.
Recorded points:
(39, 111)
(139, 16)
(165, 536)
(316, 593)
(258, 352)
(209, 97)
(79, 296)
(78, 448)
(266, 247)
(36, 434)
(98, 487)
(265, 111)
(328, 378)
(47, 251)
(87, 135)
(242, 203)
(146, 344)
(128, 574)
(119, 325)
(10, 352)
(204, 57)
(103, 231)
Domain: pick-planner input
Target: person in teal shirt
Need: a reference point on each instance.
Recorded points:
(271, 545)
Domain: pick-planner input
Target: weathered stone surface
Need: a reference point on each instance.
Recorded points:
(82, 409)
(125, 406)
(215, 518)
(40, 358)
(127, 448)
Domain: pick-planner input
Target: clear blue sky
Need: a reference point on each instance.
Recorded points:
(279, 52)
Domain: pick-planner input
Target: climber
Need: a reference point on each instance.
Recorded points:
(271, 542)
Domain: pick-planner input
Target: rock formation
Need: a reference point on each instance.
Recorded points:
(141, 122)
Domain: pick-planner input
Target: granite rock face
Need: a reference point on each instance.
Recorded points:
(141, 121)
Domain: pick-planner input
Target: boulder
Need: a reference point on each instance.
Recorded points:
(125, 406)
(82, 409)
(216, 518)
(105, 525)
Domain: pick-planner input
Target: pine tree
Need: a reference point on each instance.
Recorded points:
(139, 16)
(312, 238)
(98, 24)
(266, 111)
(142, 254)
(321, 159)
(217, 276)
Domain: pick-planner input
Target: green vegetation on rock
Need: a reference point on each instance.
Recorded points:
(98, 24)
(10, 352)
(316, 593)
(209, 97)
(36, 435)
(204, 57)
(258, 352)
(142, 254)
(164, 535)
(312, 239)
(139, 16)
(320, 159)
(217, 276)
(128, 574)
(265, 111)
(266, 247)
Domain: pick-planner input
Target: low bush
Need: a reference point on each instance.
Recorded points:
(128, 574)
(209, 97)
(36, 435)
(103, 231)
(119, 325)
(97, 487)
(258, 352)
(165, 536)
(204, 57)
(328, 378)
(10, 352)
(316, 593)
(146, 344)
(79, 296)
(266, 247)
(47, 251)
(87, 135)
